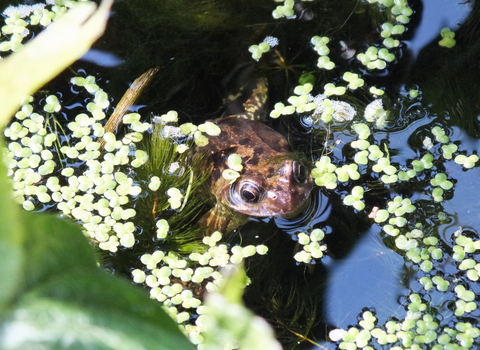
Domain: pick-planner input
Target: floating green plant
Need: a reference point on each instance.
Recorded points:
(324, 173)
(447, 40)
(330, 89)
(466, 162)
(353, 80)
(355, 198)
(311, 246)
(285, 10)
(265, 46)
(320, 46)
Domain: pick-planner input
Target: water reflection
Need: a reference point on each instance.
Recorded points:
(317, 212)
(436, 15)
(371, 274)
(102, 58)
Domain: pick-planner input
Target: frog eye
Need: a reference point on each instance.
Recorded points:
(299, 172)
(250, 192)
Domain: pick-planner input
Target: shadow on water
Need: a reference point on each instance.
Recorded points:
(449, 77)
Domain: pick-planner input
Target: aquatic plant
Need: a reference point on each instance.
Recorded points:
(448, 40)
(312, 249)
(258, 50)
(320, 46)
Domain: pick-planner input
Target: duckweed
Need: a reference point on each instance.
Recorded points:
(447, 40)
(353, 80)
(467, 162)
(320, 46)
(355, 198)
(311, 247)
(285, 10)
(258, 50)
(376, 91)
(419, 327)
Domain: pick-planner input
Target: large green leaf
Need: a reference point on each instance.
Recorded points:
(88, 310)
(11, 241)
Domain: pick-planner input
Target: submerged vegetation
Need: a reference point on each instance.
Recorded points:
(138, 193)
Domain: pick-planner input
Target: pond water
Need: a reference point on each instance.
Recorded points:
(201, 48)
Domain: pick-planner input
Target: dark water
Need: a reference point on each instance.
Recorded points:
(199, 46)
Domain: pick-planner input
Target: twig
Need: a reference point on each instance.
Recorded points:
(128, 99)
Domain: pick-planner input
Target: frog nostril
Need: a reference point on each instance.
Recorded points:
(299, 172)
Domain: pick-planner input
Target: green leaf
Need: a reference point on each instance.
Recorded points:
(234, 162)
(90, 309)
(232, 323)
(12, 234)
(349, 200)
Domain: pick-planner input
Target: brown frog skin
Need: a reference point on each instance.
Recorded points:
(272, 182)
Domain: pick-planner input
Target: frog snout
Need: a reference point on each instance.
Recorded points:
(294, 172)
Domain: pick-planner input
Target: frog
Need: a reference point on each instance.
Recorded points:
(274, 181)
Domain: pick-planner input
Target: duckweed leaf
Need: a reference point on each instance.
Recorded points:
(362, 130)
(381, 215)
(234, 162)
(210, 128)
(437, 194)
(162, 228)
(376, 91)
(331, 89)
(304, 89)
(342, 174)
(441, 180)
(200, 140)
(354, 199)
(354, 81)
(175, 199)
(448, 150)
(188, 128)
(361, 144)
(230, 175)
(325, 63)
(361, 157)
(154, 183)
(467, 162)
(448, 40)
(317, 235)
